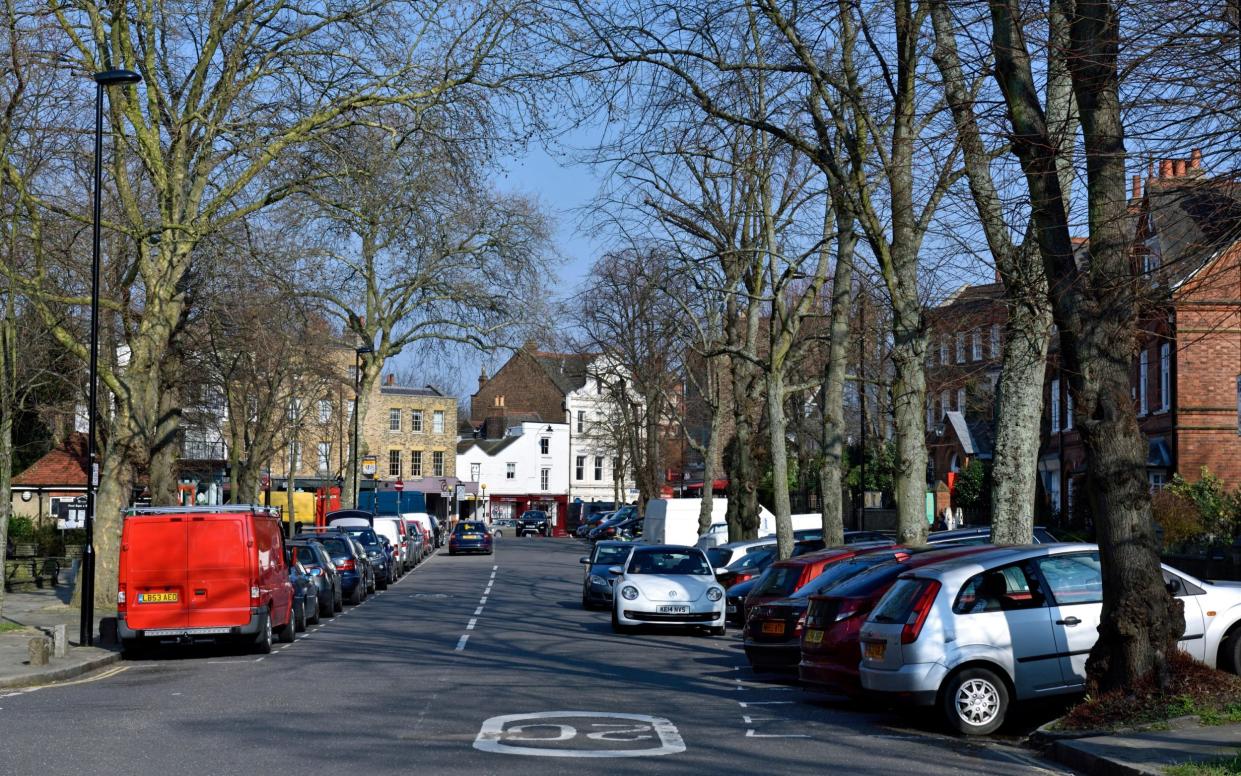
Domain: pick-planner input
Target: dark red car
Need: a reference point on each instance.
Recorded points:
(829, 652)
(773, 628)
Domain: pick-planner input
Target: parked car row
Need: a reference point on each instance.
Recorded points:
(227, 573)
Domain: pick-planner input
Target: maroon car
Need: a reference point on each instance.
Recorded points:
(829, 651)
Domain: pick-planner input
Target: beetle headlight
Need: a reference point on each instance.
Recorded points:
(629, 592)
(715, 594)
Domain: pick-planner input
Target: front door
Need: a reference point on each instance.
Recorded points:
(1075, 586)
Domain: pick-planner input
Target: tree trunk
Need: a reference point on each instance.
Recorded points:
(743, 471)
(778, 439)
(706, 506)
(1019, 411)
(909, 410)
(116, 483)
(165, 444)
(833, 410)
(8, 405)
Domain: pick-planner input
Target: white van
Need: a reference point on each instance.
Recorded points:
(675, 521)
(393, 527)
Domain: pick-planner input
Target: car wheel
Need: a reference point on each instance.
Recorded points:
(338, 603)
(312, 611)
(1230, 652)
(359, 594)
(372, 587)
(298, 613)
(719, 630)
(288, 633)
(974, 701)
(617, 626)
(262, 642)
(381, 584)
(327, 608)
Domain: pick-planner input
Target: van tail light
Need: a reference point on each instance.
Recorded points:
(921, 608)
(120, 597)
(254, 595)
(346, 565)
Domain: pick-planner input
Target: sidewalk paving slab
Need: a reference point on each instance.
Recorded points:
(40, 611)
(1150, 752)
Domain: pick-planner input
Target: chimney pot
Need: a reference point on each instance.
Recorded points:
(1137, 187)
(1178, 168)
(1195, 159)
(1165, 168)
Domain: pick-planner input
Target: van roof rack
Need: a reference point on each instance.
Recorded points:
(255, 509)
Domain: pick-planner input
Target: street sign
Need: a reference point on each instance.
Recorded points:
(460, 493)
(370, 465)
(266, 480)
(399, 486)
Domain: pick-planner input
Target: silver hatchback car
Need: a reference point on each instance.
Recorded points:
(1016, 623)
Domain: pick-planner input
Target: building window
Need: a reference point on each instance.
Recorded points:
(499, 400)
(995, 340)
(394, 420)
(1157, 480)
(437, 422)
(295, 409)
(1165, 376)
(1053, 490)
(1055, 406)
(1143, 378)
(325, 456)
(943, 402)
(960, 347)
(976, 345)
(581, 421)
(415, 421)
(545, 476)
(394, 463)
(325, 410)
(930, 413)
(1068, 409)
(510, 471)
(579, 471)
(961, 400)
(545, 446)
(598, 467)
(415, 463)
(943, 349)
(437, 464)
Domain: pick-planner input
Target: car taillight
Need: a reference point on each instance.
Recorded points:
(346, 565)
(921, 608)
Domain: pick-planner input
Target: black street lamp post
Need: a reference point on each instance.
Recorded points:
(357, 390)
(87, 572)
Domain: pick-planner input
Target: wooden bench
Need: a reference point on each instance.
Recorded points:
(26, 573)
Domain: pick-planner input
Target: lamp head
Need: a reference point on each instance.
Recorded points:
(116, 77)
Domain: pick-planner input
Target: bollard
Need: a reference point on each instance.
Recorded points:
(60, 641)
(40, 648)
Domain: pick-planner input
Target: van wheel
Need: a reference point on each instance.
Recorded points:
(338, 603)
(288, 633)
(719, 631)
(974, 702)
(262, 642)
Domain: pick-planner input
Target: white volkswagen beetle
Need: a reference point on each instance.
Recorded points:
(667, 585)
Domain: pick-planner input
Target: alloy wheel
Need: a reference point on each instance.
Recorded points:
(978, 702)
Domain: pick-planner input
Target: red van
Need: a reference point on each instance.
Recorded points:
(203, 573)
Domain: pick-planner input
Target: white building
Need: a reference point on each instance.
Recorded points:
(593, 455)
(524, 469)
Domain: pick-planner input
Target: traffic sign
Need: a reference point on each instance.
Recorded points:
(399, 486)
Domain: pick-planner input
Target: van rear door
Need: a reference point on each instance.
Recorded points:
(220, 576)
(154, 551)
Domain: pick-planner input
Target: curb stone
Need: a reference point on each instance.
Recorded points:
(59, 674)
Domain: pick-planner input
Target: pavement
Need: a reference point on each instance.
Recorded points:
(477, 665)
(1149, 753)
(40, 611)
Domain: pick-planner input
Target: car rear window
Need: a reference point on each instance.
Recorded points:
(869, 580)
(471, 528)
(366, 536)
(836, 573)
(753, 559)
(306, 556)
(335, 546)
(718, 557)
(779, 581)
(898, 603)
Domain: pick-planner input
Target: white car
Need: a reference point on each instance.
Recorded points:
(1014, 623)
(667, 585)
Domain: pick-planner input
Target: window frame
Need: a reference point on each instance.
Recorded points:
(437, 463)
(976, 344)
(598, 468)
(415, 463)
(395, 463)
(415, 422)
(394, 420)
(579, 468)
(510, 470)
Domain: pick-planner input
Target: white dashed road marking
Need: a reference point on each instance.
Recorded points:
(461, 643)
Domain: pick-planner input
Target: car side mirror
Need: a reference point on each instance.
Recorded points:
(615, 571)
(583, 559)
(316, 572)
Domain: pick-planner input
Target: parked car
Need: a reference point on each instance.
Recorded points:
(305, 593)
(437, 531)
(471, 536)
(501, 525)
(534, 521)
(424, 522)
(667, 585)
(583, 530)
(397, 533)
(382, 567)
(417, 541)
(319, 565)
(724, 554)
(349, 559)
(203, 573)
(596, 581)
(981, 534)
(1015, 623)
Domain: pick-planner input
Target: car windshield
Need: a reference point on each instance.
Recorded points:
(753, 559)
(837, 573)
(335, 546)
(464, 528)
(675, 562)
(534, 516)
(611, 555)
(366, 536)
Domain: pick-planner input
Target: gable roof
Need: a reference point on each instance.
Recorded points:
(1194, 218)
(974, 436)
(566, 370)
(489, 446)
(63, 465)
